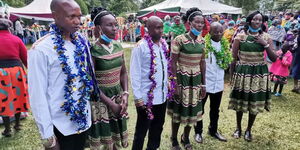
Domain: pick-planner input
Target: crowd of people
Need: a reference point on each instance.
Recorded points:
(78, 90)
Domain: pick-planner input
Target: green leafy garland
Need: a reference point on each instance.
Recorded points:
(224, 56)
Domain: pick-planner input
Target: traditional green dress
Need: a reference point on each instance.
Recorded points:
(251, 86)
(107, 129)
(186, 108)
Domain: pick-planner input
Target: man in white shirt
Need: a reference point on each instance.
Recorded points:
(59, 74)
(141, 84)
(214, 86)
(19, 29)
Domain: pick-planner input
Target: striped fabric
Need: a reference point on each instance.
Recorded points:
(107, 129)
(187, 106)
(251, 86)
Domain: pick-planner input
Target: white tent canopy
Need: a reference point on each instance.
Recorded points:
(38, 9)
(206, 6)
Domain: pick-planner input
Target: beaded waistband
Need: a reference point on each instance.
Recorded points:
(10, 63)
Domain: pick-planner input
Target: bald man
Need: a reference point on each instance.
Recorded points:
(141, 84)
(214, 86)
(56, 80)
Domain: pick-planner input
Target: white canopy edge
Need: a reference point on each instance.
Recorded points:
(206, 6)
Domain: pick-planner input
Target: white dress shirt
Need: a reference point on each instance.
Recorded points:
(46, 82)
(214, 74)
(19, 28)
(140, 70)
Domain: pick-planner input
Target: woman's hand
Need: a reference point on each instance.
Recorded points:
(116, 109)
(124, 104)
(260, 41)
(203, 92)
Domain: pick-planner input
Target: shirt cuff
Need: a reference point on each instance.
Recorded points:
(48, 133)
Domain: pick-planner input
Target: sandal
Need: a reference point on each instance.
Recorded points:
(237, 134)
(175, 144)
(6, 133)
(186, 143)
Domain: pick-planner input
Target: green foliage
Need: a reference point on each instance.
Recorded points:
(83, 6)
(246, 5)
(91, 4)
(148, 3)
(14, 3)
(283, 5)
(122, 6)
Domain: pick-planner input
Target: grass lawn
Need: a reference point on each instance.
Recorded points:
(275, 130)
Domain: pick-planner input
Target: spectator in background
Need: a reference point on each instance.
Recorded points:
(240, 27)
(266, 26)
(286, 22)
(19, 29)
(177, 28)
(296, 66)
(215, 18)
(144, 29)
(280, 68)
(223, 22)
(138, 31)
(206, 28)
(229, 32)
(277, 33)
(13, 77)
(167, 29)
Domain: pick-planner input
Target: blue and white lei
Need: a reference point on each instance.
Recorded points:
(76, 109)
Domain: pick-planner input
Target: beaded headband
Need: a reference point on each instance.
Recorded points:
(194, 13)
(102, 12)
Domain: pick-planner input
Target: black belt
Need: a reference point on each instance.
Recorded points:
(10, 63)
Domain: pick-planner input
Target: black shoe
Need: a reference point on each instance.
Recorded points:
(237, 134)
(6, 133)
(198, 138)
(218, 136)
(248, 136)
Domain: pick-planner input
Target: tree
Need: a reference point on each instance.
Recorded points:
(122, 6)
(14, 3)
(83, 6)
(246, 5)
(283, 5)
(91, 4)
(147, 3)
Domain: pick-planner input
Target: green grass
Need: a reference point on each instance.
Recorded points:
(275, 130)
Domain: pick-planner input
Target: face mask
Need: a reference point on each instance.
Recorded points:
(196, 32)
(230, 27)
(241, 27)
(105, 38)
(253, 30)
(278, 26)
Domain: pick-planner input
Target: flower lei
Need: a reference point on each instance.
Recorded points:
(74, 108)
(171, 78)
(224, 56)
